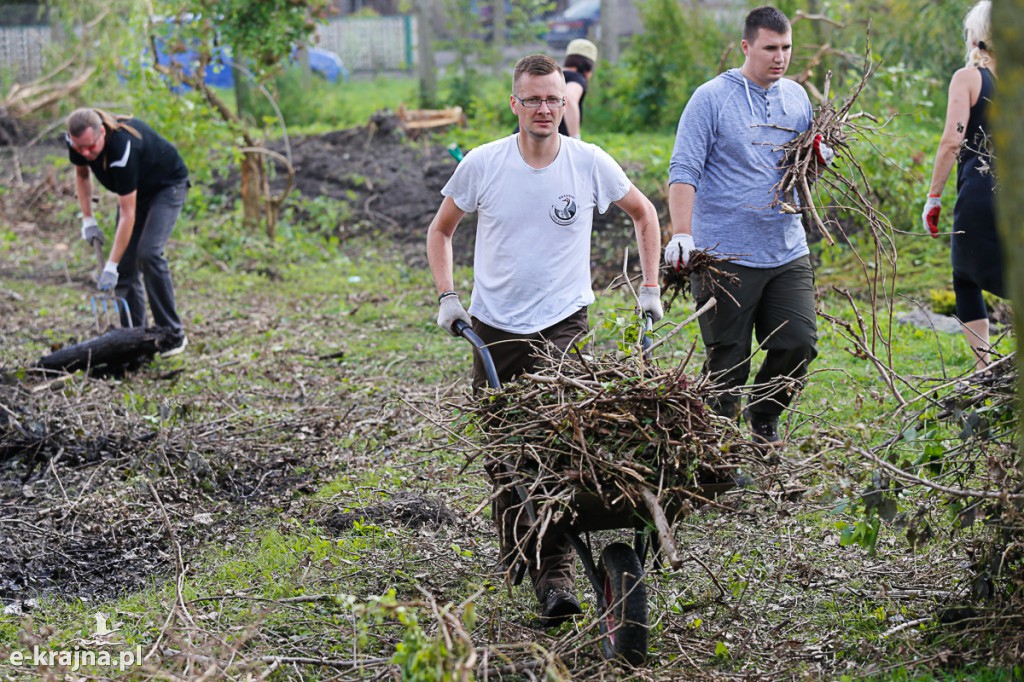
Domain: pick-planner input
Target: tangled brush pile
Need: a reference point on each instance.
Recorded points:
(636, 441)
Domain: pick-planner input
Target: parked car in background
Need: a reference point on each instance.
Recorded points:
(575, 22)
(220, 72)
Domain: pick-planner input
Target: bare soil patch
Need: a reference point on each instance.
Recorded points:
(393, 185)
(98, 500)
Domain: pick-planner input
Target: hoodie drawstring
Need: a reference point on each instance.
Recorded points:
(750, 102)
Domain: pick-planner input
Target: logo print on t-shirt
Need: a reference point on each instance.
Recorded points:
(564, 211)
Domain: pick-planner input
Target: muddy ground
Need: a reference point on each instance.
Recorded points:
(93, 507)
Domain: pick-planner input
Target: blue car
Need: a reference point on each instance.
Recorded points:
(574, 22)
(220, 72)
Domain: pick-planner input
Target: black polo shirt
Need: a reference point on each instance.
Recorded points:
(129, 164)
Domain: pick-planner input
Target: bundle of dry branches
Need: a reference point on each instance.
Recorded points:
(636, 441)
(702, 265)
(832, 127)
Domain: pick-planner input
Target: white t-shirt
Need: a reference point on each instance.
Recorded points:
(532, 259)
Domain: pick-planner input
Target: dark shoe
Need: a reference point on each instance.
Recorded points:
(558, 606)
(766, 431)
(741, 479)
(176, 346)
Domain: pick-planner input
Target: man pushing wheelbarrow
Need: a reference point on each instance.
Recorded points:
(535, 193)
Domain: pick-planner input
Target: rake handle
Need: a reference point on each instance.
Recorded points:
(97, 247)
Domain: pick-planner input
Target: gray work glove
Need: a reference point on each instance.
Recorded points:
(108, 278)
(450, 311)
(677, 253)
(650, 302)
(90, 230)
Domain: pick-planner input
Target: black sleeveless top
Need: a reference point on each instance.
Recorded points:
(976, 254)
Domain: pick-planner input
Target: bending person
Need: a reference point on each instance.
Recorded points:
(151, 180)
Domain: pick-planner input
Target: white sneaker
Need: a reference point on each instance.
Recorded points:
(177, 349)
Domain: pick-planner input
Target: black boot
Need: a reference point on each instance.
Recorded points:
(765, 429)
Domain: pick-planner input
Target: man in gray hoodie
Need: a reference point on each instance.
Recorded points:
(725, 164)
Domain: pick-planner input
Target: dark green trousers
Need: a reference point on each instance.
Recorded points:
(773, 305)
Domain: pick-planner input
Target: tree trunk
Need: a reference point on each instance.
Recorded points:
(1007, 25)
(112, 352)
(252, 189)
(425, 54)
(609, 38)
(498, 29)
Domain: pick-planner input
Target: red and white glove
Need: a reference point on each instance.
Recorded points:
(930, 214)
(825, 154)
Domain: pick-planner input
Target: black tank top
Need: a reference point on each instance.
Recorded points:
(976, 155)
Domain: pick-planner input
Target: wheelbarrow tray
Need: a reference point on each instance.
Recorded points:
(587, 511)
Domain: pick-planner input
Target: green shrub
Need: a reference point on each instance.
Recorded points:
(943, 301)
(660, 72)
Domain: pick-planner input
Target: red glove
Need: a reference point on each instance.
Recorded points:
(823, 152)
(930, 215)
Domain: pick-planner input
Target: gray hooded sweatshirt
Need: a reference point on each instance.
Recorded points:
(727, 148)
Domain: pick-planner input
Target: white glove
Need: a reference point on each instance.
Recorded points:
(108, 278)
(650, 302)
(450, 311)
(930, 214)
(90, 230)
(677, 253)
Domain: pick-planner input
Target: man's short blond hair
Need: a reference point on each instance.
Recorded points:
(535, 65)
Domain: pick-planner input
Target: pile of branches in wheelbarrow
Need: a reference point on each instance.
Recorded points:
(608, 436)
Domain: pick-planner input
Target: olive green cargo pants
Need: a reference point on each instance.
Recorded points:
(775, 305)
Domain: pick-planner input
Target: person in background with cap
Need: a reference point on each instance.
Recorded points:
(580, 58)
(151, 180)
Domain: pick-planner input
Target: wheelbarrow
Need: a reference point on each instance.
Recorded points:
(618, 576)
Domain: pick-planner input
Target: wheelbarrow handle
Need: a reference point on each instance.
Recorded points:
(645, 339)
(463, 329)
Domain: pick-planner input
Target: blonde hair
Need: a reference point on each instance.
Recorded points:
(80, 120)
(978, 34)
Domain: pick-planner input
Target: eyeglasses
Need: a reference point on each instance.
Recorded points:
(85, 148)
(535, 102)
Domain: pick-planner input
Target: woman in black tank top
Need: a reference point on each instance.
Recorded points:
(976, 254)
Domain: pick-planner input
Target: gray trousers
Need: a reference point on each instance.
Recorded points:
(777, 306)
(143, 263)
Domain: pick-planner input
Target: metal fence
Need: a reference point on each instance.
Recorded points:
(371, 43)
(22, 48)
(363, 43)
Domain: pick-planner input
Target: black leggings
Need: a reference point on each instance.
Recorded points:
(970, 304)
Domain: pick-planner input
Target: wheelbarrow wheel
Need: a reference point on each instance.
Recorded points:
(623, 604)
